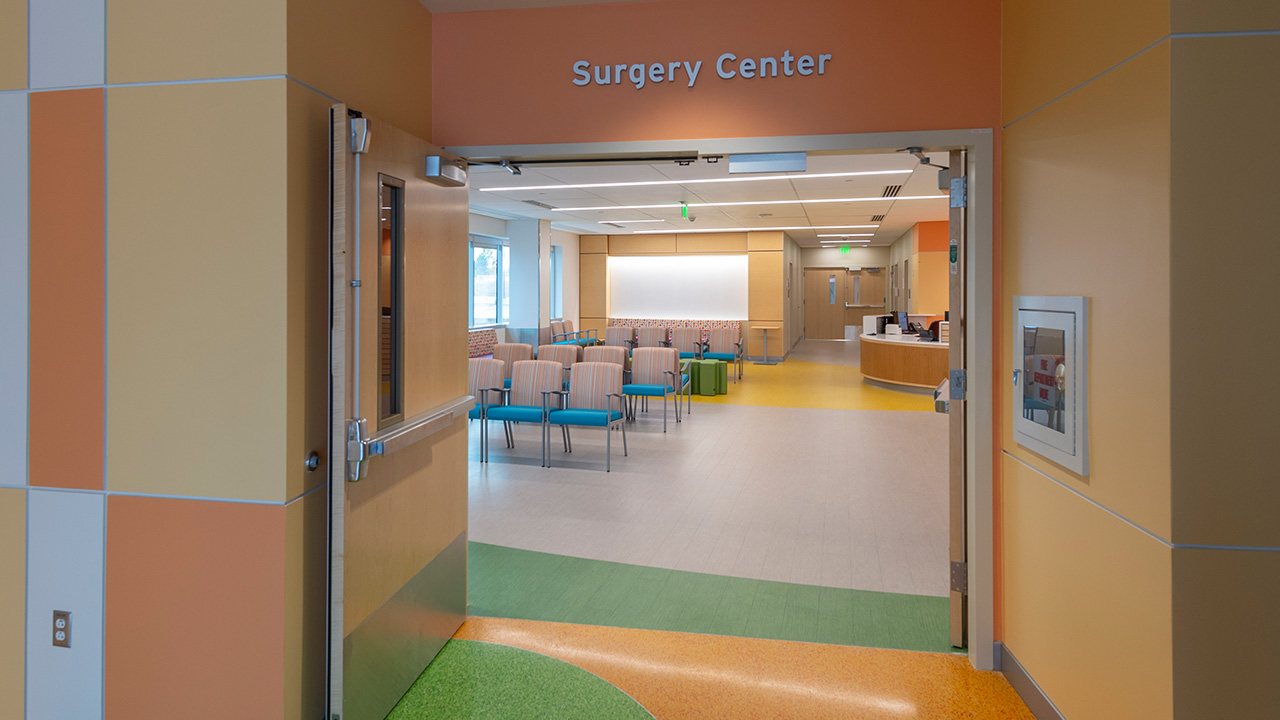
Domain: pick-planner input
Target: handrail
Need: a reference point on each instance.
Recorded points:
(360, 447)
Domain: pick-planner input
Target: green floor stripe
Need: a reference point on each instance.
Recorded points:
(480, 680)
(510, 583)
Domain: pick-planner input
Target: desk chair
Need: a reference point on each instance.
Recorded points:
(725, 344)
(525, 401)
(484, 375)
(510, 354)
(594, 389)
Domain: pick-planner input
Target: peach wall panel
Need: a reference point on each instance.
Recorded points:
(13, 600)
(195, 609)
(14, 237)
(158, 40)
(67, 291)
(307, 604)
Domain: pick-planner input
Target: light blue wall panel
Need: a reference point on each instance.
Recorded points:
(14, 235)
(65, 572)
(67, 43)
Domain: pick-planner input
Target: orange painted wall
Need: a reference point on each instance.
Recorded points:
(932, 236)
(67, 289)
(508, 75)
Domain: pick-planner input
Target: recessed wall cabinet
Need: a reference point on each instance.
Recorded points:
(1051, 378)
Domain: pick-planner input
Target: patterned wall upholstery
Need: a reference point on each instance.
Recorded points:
(485, 373)
(722, 340)
(685, 339)
(590, 384)
(605, 353)
(566, 355)
(531, 377)
(673, 324)
(649, 364)
(652, 337)
(618, 335)
(481, 342)
(511, 353)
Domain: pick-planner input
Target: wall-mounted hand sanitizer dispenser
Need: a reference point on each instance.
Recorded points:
(1050, 378)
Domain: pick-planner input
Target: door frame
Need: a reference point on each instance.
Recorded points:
(979, 147)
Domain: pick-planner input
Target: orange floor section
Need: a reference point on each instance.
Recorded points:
(680, 675)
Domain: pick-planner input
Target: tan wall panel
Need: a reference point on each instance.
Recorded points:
(712, 243)
(1087, 602)
(597, 324)
(305, 629)
(13, 45)
(1103, 149)
(765, 291)
(384, 65)
(1218, 16)
(151, 40)
(755, 338)
(593, 286)
(642, 244)
(1050, 48)
(929, 288)
(772, 240)
(13, 600)
(388, 541)
(197, 300)
(1224, 483)
(1225, 627)
(308, 286)
(593, 244)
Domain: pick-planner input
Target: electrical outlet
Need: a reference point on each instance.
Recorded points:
(61, 628)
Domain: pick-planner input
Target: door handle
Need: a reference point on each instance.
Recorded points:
(357, 440)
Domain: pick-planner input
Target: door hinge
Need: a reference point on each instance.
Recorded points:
(960, 577)
(960, 192)
(959, 384)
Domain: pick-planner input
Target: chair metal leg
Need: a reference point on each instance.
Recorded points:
(624, 440)
(664, 410)
(608, 444)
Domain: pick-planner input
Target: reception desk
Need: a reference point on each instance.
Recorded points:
(903, 360)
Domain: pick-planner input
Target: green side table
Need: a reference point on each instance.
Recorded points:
(708, 377)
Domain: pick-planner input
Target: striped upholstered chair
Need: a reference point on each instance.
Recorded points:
(605, 353)
(484, 382)
(655, 372)
(566, 355)
(652, 337)
(562, 333)
(725, 343)
(526, 400)
(511, 353)
(594, 399)
(688, 341)
(623, 336)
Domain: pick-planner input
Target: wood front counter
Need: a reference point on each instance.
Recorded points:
(904, 360)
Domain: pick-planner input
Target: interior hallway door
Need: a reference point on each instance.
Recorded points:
(398, 372)
(824, 303)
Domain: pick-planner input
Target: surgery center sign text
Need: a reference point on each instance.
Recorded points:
(728, 66)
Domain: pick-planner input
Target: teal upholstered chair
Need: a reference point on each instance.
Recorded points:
(652, 337)
(484, 376)
(606, 353)
(510, 354)
(725, 344)
(688, 341)
(623, 336)
(655, 372)
(595, 390)
(526, 401)
(565, 354)
(562, 333)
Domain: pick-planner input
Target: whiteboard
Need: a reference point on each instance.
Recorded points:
(678, 287)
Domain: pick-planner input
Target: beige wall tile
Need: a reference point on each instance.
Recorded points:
(1050, 48)
(1087, 602)
(13, 600)
(197, 290)
(1086, 212)
(153, 40)
(13, 45)
(1224, 260)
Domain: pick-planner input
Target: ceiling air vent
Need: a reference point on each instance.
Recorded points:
(535, 203)
(877, 218)
(889, 191)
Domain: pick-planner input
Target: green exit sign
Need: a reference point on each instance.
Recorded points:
(844, 249)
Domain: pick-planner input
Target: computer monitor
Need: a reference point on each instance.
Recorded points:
(881, 321)
(902, 321)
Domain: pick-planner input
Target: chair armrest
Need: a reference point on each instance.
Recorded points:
(665, 343)
(631, 343)
(622, 402)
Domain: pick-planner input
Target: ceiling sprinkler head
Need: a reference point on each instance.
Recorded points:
(510, 167)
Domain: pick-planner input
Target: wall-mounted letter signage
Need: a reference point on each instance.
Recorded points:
(728, 66)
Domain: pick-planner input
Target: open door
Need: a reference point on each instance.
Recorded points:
(398, 374)
(956, 389)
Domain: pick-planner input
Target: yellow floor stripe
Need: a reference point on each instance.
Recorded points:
(803, 384)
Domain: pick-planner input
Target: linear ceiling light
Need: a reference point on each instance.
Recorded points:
(842, 242)
(623, 222)
(755, 229)
(698, 181)
(671, 206)
(846, 235)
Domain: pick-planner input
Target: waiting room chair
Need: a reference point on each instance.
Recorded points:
(655, 372)
(725, 343)
(510, 354)
(594, 390)
(652, 337)
(605, 353)
(566, 355)
(623, 336)
(688, 342)
(526, 400)
(484, 375)
(562, 333)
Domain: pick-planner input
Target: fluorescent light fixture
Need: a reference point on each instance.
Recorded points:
(754, 229)
(842, 242)
(626, 222)
(848, 235)
(698, 181)
(673, 206)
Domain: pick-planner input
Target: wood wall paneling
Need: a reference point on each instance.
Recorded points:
(593, 244)
(772, 240)
(642, 244)
(921, 365)
(708, 243)
(593, 286)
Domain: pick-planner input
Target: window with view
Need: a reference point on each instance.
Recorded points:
(490, 284)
